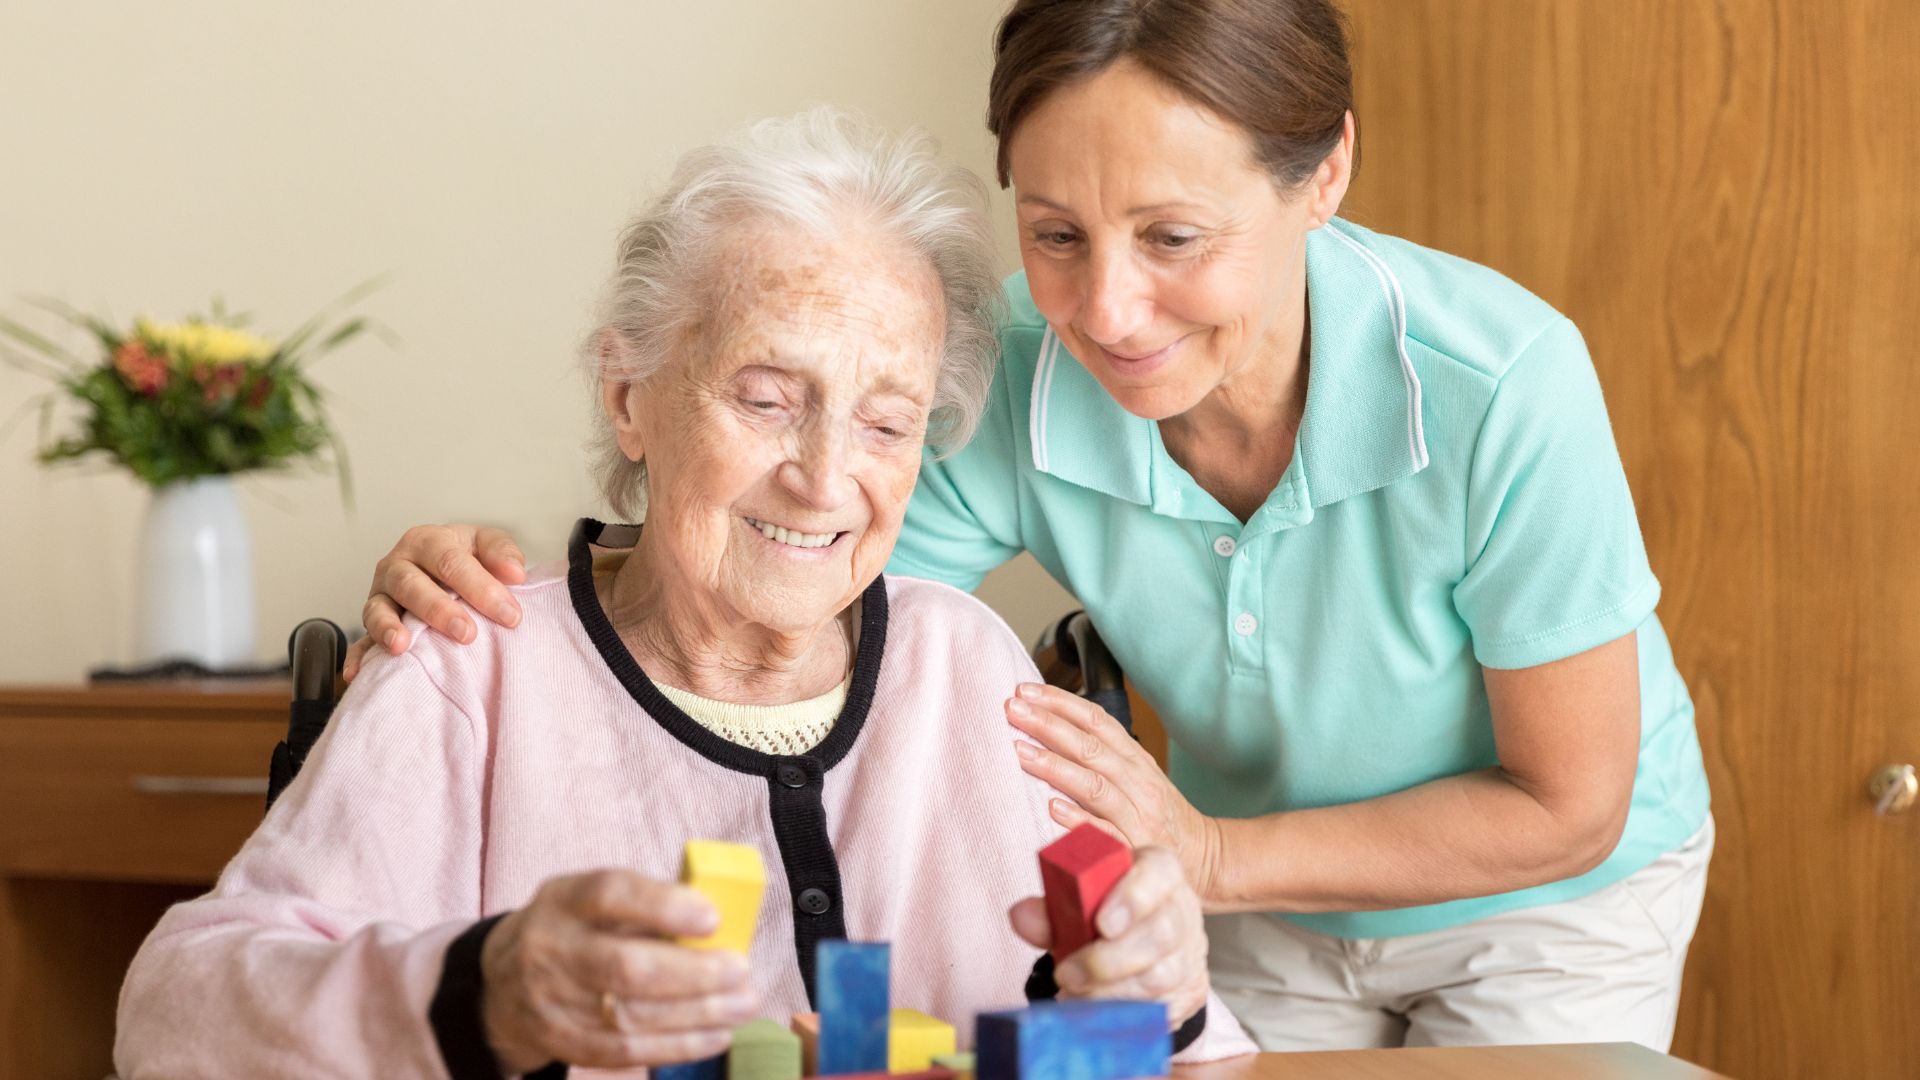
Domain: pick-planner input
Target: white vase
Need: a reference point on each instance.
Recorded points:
(196, 576)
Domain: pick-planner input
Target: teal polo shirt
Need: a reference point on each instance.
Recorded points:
(1455, 501)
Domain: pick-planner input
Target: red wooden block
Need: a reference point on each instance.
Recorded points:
(1079, 870)
(807, 1026)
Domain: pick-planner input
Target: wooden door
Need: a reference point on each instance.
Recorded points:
(1725, 195)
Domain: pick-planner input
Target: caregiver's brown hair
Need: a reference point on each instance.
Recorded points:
(1276, 68)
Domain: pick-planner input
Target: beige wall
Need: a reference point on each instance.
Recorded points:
(483, 154)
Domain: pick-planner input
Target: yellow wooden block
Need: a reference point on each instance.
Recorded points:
(914, 1039)
(732, 876)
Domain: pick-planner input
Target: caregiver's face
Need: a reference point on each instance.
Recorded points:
(784, 441)
(1159, 251)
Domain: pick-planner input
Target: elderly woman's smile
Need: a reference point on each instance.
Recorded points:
(793, 537)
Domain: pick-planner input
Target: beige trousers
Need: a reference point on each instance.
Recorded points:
(1603, 968)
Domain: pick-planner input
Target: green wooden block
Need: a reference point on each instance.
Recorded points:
(961, 1064)
(764, 1050)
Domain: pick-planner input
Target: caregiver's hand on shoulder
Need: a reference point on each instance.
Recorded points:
(1152, 944)
(417, 574)
(586, 974)
(1109, 779)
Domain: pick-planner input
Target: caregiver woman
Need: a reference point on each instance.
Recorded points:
(1349, 512)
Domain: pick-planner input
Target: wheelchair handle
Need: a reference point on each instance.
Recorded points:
(1102, 681)
(315, 651)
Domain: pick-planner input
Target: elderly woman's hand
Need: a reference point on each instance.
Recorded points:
(1152, 944)
(1087, 756)
(416, 575)
(585, 974)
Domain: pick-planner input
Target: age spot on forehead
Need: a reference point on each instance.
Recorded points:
(893, 298)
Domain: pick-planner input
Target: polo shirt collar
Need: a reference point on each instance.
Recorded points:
(1362, 429)
(1083, 436)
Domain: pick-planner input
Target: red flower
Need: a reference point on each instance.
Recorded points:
(142, 370)
(220, 381)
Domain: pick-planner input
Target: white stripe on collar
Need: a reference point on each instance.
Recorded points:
(1397, 304)
(1042, 391)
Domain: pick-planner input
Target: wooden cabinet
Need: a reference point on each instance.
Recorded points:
(114, 803)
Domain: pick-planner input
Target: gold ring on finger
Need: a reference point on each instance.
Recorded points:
(610, 1010)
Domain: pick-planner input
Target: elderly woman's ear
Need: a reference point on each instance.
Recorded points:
(616, 396)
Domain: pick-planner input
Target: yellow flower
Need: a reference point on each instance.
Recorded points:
(204, 343)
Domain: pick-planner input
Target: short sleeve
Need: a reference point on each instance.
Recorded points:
(964, 517)
(1556, 564)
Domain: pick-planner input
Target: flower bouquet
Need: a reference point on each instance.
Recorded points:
(178, 401)
(184, 406)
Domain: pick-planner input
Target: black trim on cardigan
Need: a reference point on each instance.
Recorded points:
(459, 1030)
(1042, 987)
(586, 604)
(798, 813)
(800, 828)
(1189, 1033)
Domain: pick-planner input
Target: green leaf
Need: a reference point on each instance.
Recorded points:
(36, 341)
(342, 334)
(104, 332)
(297, 340)
(42, 401)
(33, 365)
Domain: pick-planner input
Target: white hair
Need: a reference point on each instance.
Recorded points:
(817, 170)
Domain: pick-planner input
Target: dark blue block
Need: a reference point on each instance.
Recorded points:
(850, 986)
(713, 1068)
(1074, 1040)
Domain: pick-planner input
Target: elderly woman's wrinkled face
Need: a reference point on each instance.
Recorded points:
(784, 439)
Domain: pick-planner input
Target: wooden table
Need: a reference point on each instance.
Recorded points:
(115, 802)
(1594, 1061)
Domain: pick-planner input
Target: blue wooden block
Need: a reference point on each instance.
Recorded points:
(850, 986)
(1074, 1040)
(713, 1068)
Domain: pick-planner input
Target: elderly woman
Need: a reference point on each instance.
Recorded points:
(1349, 512)
(473, 873)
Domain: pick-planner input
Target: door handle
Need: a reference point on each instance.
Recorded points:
(1893, 789)
(201, 785)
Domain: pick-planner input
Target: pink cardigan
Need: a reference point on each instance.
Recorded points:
(454, 780)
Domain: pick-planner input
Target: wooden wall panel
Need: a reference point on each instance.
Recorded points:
(1723, 196)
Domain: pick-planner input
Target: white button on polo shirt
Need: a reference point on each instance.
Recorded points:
(1224, 547)
(1245, 624)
